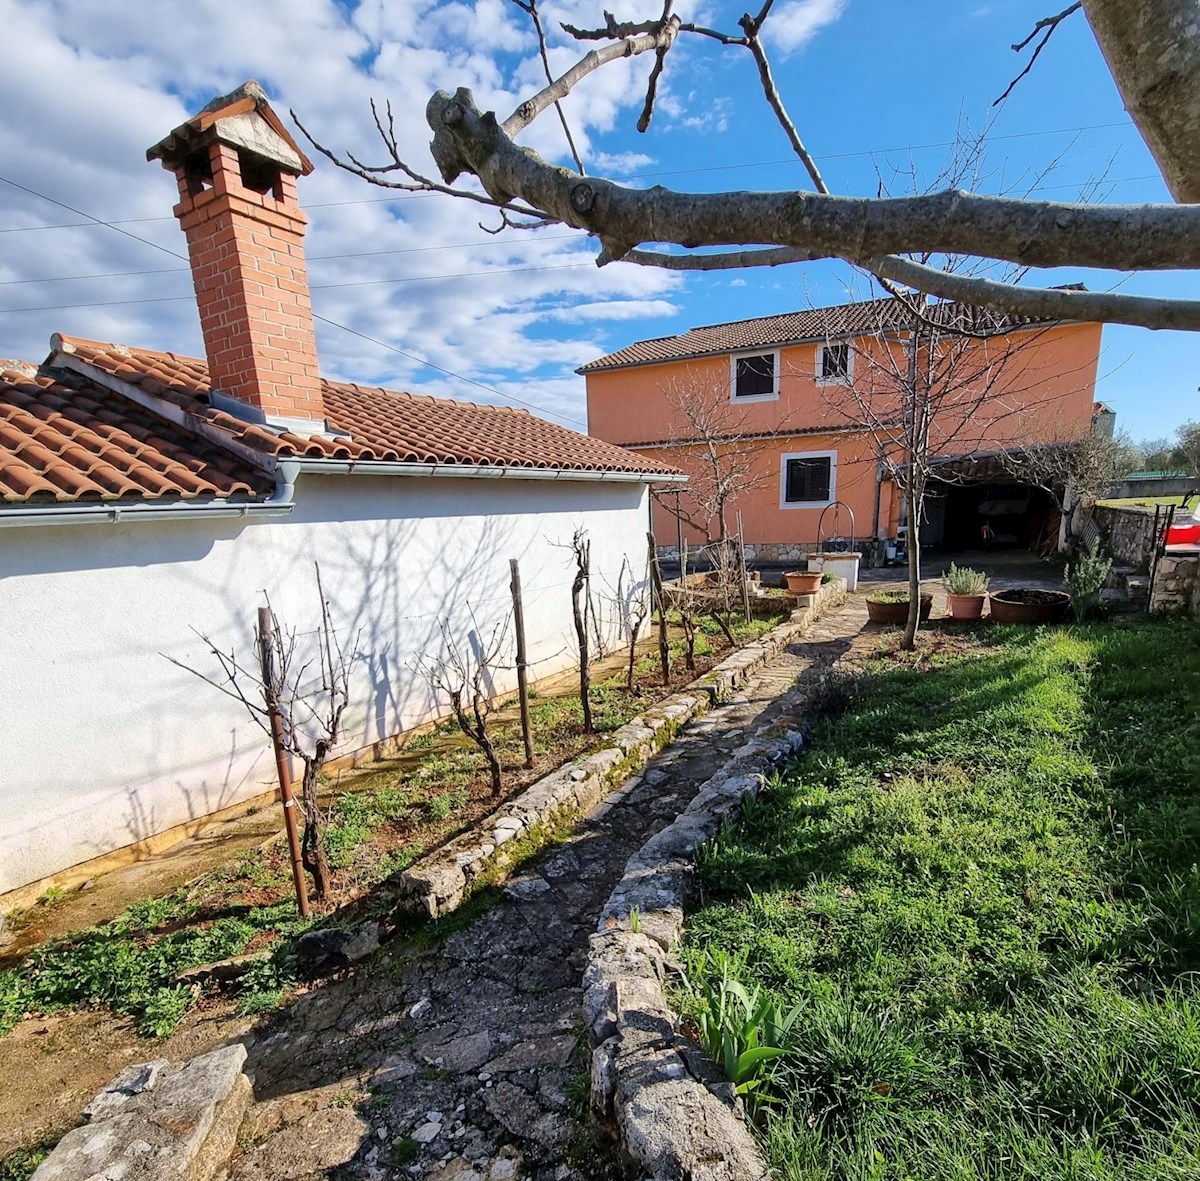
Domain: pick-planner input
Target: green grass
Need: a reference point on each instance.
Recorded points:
(1149, 502)
(130, 964)
(980, 886)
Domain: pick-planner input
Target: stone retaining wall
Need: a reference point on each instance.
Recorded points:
(1177, 582)
(1128, 533)
(440, 882)
(675, 1115)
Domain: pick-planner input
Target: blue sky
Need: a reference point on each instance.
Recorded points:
(876, 88)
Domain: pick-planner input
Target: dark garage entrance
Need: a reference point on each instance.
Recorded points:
(974, 504)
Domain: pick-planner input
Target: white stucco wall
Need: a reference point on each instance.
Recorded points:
(105, 742)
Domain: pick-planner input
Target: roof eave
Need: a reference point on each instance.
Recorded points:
(463, 471)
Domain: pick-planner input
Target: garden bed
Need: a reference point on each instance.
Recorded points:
(976, 892)
(119, 981)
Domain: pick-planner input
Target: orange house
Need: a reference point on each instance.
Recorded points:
(798, 412)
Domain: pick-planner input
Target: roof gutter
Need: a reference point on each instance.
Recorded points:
(278, 504)
(455, 471)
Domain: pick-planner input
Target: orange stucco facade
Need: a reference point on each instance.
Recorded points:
(1040, 393)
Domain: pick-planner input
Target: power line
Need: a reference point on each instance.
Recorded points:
(324, 319)
(863, 153)
(311, 258)
(62, 307)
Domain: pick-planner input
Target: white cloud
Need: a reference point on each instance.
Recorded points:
(793, 25)
(98, 81)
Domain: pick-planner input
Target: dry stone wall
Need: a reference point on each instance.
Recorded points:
(439, 883)
(1177, 583)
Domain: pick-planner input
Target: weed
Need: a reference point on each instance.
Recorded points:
(578, 1090)
(443, 806)
(163, 1010)
(635, 920)
(20, 1165)
(53, 896)
(404, 1151)
(1086, 577)
(743, 1030)
(260, 1001)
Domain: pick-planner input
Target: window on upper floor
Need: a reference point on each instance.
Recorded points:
(755, 375)
(834, 363)
(807, 479)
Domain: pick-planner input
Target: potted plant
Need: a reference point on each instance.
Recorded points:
(965, 592)
(802, 582)
(1027, 604)
(891, 606)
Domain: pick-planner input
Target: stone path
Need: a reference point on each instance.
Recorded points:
(473, 1051)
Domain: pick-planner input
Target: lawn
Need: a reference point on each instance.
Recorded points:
(977, 898)
(1150, 501)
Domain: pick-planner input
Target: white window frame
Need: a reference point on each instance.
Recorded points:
(746, 398)
(821, 364)
(832, 456)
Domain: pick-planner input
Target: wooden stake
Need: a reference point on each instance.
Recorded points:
(522, 660)
(664, 647)
(745, 572)
(266, 628)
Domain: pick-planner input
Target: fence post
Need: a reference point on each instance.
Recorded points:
(745, 572)
(266, 628)
(522, 660)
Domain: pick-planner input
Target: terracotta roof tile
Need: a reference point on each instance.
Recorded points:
(812, 324)
(67, 439)
(368, 423)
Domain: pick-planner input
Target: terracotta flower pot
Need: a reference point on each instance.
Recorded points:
(803, 582)
(1029, 605)
(897, 612)
(965, 606)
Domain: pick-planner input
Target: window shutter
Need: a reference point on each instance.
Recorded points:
(754, 376)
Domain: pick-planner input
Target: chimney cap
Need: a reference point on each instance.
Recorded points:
(224, 118)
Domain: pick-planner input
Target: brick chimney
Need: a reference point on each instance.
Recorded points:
(236, 166)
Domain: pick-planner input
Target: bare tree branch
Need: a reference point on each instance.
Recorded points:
(530, 7)
(1049, 23)
(1149, 48)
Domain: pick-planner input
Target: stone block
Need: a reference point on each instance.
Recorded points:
(181, 1127)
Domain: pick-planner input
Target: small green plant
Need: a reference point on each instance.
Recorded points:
(250, 1004)
(404, 1151)
(962, 580)
(743, 1031)
(1086, 577)
(19, 1165)
(578, 1090)
(635, 920)
(163, 1010)
(443, 806)
(888, 596)
(53, 896)
(827, 578)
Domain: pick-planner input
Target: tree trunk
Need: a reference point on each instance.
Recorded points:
(579, 606)
(723, 624)
(1153, 52)
(312, 841)
(909, 642)
(493, 761)
(689, 635)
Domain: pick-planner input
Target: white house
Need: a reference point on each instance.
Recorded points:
(147, 497)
